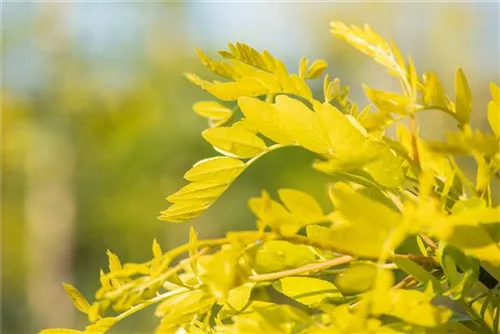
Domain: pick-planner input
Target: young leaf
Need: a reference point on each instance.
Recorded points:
(303, 125)
(494, 109)
(235, 142)
(316, 69)
(216, 169)
(77, 298)
(308, 291)
(433, 92)
(301, 205)
(463, 98)
(193, 240)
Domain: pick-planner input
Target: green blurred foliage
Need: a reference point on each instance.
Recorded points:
(120, 125)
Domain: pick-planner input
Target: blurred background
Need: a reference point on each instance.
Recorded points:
(97, 126)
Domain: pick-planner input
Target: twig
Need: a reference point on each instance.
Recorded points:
(304, 269)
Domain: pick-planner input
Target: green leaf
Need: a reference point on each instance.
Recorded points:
(279, 255)
(301, 205)
(266, 118)
(235, 142)
(308, 291)
(302, 124)
(463, 98)
(216, 169)
(416, 271)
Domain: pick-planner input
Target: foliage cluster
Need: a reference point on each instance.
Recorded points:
(408, 229)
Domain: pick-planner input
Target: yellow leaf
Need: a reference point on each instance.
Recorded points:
(343, 136)
(235, 142)
(239, 297)
(316, 69)
(266, 118)
(219, 68)
(273, 214)
(230, 91)
(303, 67)
(463, 98)
(301, 205)
(157, 252)
(179, 213)
(387, 101)
(216, 169)
(433, 92)
(283, 77)
(301, 87)
(193, 240)
(370, 43)
(358, 278)
(307, 290)
(114, 261)
(494, 117)
(213, 111)
(303, 125)
(198, 192)
(101, 326)
(77, 298)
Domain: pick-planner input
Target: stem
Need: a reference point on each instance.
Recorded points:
(304, 269)
(148, 302)
(429, 241)
(468, 308)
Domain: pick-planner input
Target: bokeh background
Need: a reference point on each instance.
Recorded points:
(97, 126)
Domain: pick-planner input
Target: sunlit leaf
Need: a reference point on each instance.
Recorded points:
(278, 255)
(240, 143)
(301, 205)
(308, 291)
(216, 169)
(266, 118)
(302, 124)
(463, 98)
(77, 298)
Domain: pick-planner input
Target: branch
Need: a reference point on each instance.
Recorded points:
(304, 269)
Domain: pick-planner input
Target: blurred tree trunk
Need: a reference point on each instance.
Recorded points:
(50, 198)
(50, 216)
